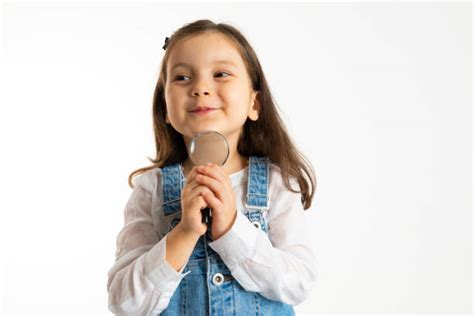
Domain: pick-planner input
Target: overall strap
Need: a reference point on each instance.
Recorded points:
(172, 178)
(257, 185)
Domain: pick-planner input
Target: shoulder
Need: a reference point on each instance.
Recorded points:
(148, 180)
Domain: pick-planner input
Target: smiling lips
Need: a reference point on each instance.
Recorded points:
(202, 110)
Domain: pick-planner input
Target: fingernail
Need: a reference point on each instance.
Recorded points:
(209, 164)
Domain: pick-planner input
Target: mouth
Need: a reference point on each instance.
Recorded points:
(203, 111)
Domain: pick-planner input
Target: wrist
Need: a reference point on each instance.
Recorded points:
(186, 234)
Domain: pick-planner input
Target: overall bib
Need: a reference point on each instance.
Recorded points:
(210, 289)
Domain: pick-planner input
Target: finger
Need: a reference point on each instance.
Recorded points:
(217, 168)
(214, 203)
(212, 184)
(192, 183)
(199, 190)
(191, 178)
(215, 172)
(199, 203)
(192, 173)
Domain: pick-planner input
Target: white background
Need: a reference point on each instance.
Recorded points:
(376, 95)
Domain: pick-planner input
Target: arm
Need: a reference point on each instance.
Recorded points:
(281, 265)
(142, 280)
(179, 247)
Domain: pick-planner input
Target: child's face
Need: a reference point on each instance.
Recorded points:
(205, 82)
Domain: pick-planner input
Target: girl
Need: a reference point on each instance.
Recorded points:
(254, 257)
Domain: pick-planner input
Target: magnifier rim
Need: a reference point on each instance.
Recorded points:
(191, 143)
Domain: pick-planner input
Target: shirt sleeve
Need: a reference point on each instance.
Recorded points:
(141, 281)
(282, 265)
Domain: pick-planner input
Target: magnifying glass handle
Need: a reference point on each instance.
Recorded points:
(206, 215)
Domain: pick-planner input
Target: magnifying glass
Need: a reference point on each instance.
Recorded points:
(208, 146)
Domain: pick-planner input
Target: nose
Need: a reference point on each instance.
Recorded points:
(201, 88)
(200, 92)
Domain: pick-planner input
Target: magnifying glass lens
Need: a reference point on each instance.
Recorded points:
(209, 146)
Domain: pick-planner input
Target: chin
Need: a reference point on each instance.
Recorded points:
(207, 127)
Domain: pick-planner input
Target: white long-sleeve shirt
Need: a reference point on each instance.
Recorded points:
(280, 265)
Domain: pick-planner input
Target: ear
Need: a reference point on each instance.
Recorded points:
(254, 110)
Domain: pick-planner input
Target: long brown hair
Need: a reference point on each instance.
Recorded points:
(265, 137)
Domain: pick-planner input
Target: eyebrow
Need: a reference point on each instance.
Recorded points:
(228, 62)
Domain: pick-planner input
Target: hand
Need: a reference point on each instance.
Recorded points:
(192, 202)
(221, 199)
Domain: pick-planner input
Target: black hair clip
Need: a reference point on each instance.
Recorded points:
(167, 39)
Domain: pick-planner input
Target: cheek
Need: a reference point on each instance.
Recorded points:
(236, 93)
(174, 101)
(171, 94)
(239, 98)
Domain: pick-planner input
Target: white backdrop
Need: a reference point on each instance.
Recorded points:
(377, 95)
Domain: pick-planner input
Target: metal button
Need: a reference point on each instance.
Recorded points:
(218, 279)
(256, 224)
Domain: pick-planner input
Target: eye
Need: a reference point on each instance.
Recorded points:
(222, 72)
(217, 73)
(179, 76)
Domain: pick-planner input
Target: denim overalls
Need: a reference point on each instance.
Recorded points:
(210, 289)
